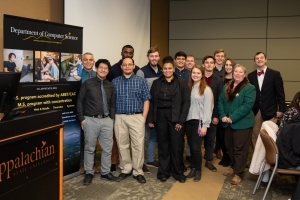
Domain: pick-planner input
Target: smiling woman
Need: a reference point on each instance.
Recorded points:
(169, 107)
(235, 112)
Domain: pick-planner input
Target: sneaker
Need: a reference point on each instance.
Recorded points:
(145, 169)
(210, 166)
(113, 168)
(153, 164)
(88, 179)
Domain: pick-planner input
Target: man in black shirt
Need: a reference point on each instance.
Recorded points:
(96, 111)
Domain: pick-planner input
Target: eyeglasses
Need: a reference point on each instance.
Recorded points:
(127, 65)
(103, 68)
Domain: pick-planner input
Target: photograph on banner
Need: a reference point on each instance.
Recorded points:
(46, 66)
(16, 60)
(71, 67)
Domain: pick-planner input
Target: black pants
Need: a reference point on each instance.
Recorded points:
(209, 141)
(194, 141)
(170, 143)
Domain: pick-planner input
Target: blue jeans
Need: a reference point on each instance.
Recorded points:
(151, 143)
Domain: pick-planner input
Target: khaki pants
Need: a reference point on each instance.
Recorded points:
(256, 128)
(130, 128)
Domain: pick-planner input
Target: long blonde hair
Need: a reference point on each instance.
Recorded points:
(203, 83)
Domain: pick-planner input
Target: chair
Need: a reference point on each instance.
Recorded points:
(272, 156)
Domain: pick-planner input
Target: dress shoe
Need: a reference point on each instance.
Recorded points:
(210, 166)
(81, 169)
(96, 169)
(182, 180)
(110, 177)
(236, 180)
(197, 176)
(153, 164)
(113, 168)
(163, 179)
(140, 178)
(145, 169)
(192, 173)
(229, 172)
(123, 176)
(88, 179)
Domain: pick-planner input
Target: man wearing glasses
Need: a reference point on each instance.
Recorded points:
(116, 70)
(96, 117)
(132, 97)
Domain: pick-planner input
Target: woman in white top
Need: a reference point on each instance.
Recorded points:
(199, 118)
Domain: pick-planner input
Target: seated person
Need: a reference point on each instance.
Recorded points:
(53, 71)
(77, 70)
(288, 139)
(10, 65)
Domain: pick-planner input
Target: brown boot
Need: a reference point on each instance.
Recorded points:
(229, 172)
(219, 154)
(236, 180)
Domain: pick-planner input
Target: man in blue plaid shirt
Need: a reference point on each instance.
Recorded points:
(132, 106)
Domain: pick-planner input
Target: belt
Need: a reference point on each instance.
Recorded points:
(130, 113)
(100, 116)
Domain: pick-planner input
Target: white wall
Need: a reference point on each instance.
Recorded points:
(109, 25)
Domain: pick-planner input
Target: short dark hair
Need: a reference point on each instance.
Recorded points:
(104, 61)
(207, 57)
(10, 55)
(127, 46)
(257, 53)
(168, 59)
(79, 57)
(180, 53)
(295, 102)
(129, 58)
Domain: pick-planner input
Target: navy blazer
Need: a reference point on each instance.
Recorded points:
(271, 97)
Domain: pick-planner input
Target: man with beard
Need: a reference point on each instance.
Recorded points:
(150, 72)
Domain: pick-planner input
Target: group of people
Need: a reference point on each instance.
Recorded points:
(123, 106)
(46, 70)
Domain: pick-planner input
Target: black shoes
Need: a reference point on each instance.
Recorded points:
(197, 176)
(153, 164)
(210, 166)
(123, 176)
(110, 177)
(192, 173)
(113, 168)
(140, 178)
(182, 180)
(88, 179)
(145, 169)
(163, 179)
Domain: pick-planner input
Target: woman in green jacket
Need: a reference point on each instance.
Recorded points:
(235, 110)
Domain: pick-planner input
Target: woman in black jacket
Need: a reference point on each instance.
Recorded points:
(169, 106)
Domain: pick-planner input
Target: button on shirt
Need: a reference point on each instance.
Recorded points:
(130, 94)
(90, 101)
(185, 73)
(165, 94)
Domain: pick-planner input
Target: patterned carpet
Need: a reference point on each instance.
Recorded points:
(282, 187)
(125, 189)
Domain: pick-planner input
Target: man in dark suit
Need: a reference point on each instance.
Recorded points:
(216, 84)
(270, 98)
